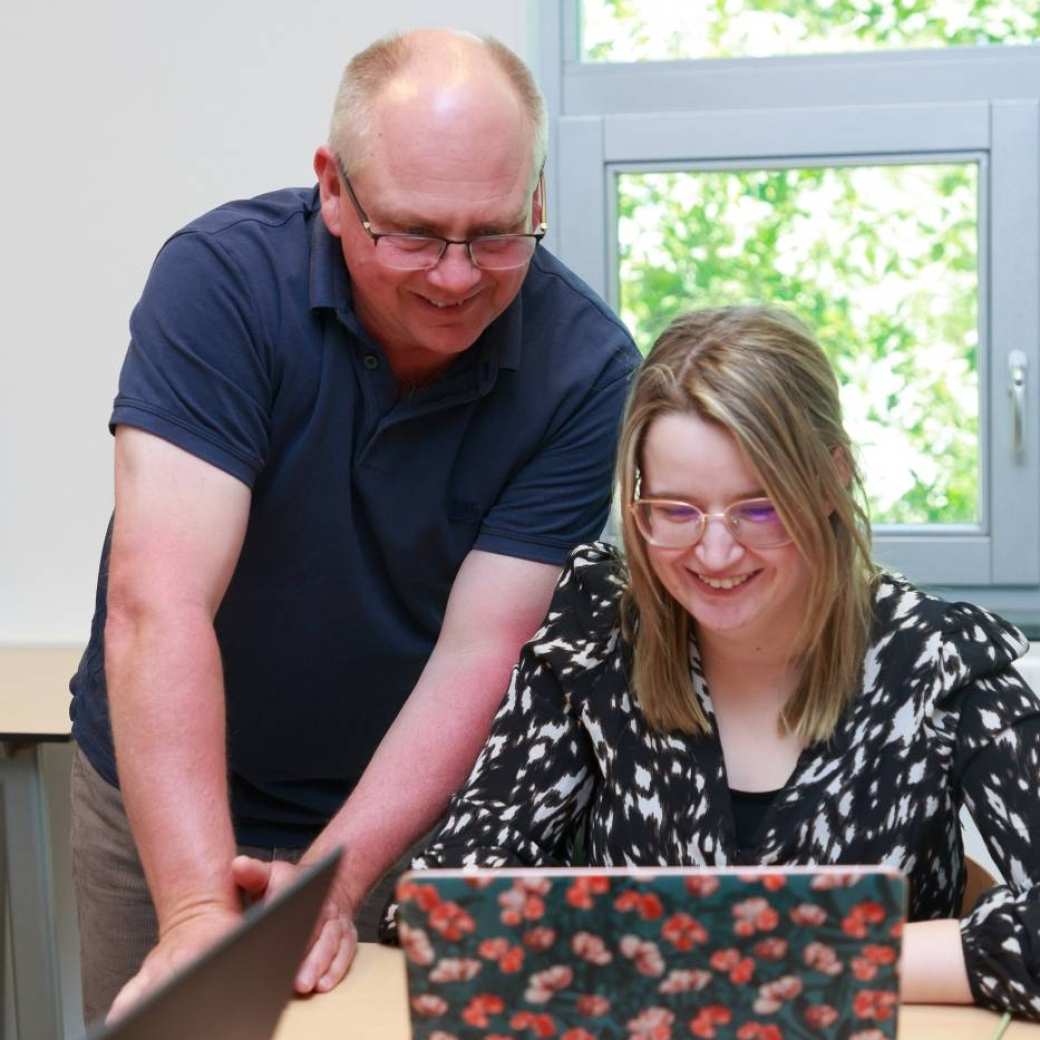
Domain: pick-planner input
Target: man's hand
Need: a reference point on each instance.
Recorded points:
(334, 940)
(180, 944)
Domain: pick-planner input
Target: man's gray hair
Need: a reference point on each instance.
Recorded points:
(369, 71)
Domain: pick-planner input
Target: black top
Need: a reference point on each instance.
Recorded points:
(942, 720)
(749, 810)
(246, 352)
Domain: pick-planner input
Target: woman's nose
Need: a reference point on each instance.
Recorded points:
(717, 548)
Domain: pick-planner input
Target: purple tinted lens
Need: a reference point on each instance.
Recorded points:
(758, 522)
(668, 523)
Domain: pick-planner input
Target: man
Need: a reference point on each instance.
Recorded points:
(357, 431)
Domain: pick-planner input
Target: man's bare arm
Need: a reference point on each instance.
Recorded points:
(496, 605)
(178, 528)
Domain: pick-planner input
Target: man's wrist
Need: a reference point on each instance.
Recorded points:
(184, 907)
(346, 892)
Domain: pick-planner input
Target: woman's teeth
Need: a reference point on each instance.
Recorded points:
(724, 583)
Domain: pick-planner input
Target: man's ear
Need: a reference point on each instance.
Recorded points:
(326, 169)
(538, 207)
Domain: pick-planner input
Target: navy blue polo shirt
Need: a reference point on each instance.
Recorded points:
(246, 352)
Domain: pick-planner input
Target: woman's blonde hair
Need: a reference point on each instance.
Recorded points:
(759, 374)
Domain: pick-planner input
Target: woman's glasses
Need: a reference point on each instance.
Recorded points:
(673, 524)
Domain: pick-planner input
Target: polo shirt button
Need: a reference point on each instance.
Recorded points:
(371, 361)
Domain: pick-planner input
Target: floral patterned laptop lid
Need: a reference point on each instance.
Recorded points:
(646, 954)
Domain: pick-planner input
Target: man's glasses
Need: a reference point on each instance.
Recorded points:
(407, 252)
(673, 524)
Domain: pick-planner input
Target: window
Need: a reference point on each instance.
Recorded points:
(881, 259)
(889, 197)
(661, 30)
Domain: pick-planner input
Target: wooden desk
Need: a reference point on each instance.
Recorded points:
(370, 1004)
(34, 709)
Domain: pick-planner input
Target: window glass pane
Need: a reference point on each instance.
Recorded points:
(660, 30)
(882, 263)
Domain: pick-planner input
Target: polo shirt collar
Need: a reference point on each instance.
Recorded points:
(329, 281)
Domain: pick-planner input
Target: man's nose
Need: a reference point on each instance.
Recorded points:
(455, 272)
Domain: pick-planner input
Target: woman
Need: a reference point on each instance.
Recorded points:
(745, 686)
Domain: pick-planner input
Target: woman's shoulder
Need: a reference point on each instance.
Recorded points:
(596, 571)
(968, 640)
(585, 613)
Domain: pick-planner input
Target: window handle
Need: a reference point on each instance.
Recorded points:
(1017, 365)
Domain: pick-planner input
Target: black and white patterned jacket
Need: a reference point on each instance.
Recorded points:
(943, 720)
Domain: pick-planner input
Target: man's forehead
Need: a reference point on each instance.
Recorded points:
(472, 111)
(438, 159)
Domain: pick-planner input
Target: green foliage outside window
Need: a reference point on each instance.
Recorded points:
(880, 261)
(647, 30)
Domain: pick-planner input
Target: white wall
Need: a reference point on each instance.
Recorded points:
(122, 120)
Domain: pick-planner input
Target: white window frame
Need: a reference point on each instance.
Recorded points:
(980, 104)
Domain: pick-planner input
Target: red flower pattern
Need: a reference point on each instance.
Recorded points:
(646, 904)
(450, 921)
(519, 905)
(701, 886)
(862, 969)
(878, 1004)
(808, 914)
(539, 938)
(740, 968)
(455, 969)
(823, 958)
(591, 948)
(479, 1007)
(543, 985)
(683, 980)
(429, 1005)
(820, 1016)
(824, 882)
(416, 944)
(540, 1025)
(860, 917)
(772, 995)
(707, 1018)
(683, 931)
(759, 1031)
(660, 929)
(645, 955)
(754, 915)
(582, 889)
(424, 896)
(879, 954)
(771, 949)
(653, 1023)
(593, 1005)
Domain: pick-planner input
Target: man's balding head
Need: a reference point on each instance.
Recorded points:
(436, 75)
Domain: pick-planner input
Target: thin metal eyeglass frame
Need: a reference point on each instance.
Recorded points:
(538, 234)
(702, 526)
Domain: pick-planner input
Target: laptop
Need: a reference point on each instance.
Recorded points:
(746, 953)
(237, 989)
